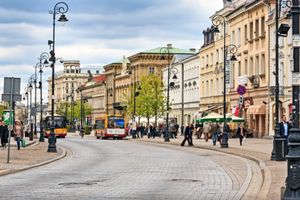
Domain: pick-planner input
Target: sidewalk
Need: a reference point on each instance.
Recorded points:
(31, 156)
(259, 150)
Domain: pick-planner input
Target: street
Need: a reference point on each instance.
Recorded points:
(115, 169)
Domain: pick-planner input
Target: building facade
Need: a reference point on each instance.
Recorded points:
(184, 95)
(246, 29)
(66, 82)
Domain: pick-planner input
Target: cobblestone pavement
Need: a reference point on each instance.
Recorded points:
(25, 157)
(268, 177)
(114, 169)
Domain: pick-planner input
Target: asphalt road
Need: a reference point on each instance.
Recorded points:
(115, 169)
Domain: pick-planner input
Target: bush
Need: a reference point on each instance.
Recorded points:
(87, 130)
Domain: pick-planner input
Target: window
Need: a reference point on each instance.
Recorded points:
(233, 37)
(239, 68)
(239, 37)
(211, 59)
(151, 70)
(245, 34)
(251, 67)
(246, 67)
(251, 30)
(262, 28)
(256, 28)
(256, 65)
(263, 66)
(207, 60)
(217, 55)
(217, 87)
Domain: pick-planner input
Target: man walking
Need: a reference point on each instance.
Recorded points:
(284, 127)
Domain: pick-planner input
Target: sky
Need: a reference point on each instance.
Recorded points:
(98, 32)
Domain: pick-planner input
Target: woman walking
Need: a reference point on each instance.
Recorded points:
(3, 134)
(18, 130)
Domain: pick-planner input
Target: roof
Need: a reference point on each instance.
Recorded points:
(99, 79)
(162, 50)
(121, 61)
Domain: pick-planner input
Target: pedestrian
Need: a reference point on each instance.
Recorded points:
(215, 131)
(142, 129)
(241, 133)
(18, 130)
(3, 134)
(199, 130)
(285, 127)
(182, 129)
(186, 135)
(191, 135)
(206, 131)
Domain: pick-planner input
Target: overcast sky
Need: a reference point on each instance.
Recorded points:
(98, 31)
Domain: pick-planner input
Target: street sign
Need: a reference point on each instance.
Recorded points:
(241, 90)
(11, 87)
(296, 40)
(241, 80)
(7, 118)
(296, 78)
(227, 72)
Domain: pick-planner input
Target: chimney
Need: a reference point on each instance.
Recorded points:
(169, 45)
(192, 49)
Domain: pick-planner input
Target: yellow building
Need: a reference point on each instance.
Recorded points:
(246, 29)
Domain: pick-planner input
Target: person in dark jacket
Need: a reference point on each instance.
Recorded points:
(241, 133)
(3, 134)
(187, 136)
(284, 127)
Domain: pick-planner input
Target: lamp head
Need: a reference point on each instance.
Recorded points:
(30, 86)
(46, 62)
(233, 58)
(174, 77)
(172, 84)
(283, 30)
(215, 29)
(63, 18)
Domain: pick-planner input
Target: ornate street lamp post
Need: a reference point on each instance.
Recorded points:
(163, 51)
(59, 8)
(30, 81)
(229, 50)
(43, 61)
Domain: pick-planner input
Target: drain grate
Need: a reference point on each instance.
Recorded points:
(185, 180)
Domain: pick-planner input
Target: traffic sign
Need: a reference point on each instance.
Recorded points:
(241, 90)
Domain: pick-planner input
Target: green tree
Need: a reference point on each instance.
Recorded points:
(150, 100)
(87, 108)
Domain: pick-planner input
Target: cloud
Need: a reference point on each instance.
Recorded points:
(98, 32)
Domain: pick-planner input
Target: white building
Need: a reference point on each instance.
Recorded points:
(184, 95)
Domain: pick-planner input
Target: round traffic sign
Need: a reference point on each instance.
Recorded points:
(241, 90)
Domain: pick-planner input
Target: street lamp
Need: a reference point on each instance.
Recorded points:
(229, 50)
(292, 191)
(79, 89)
(59, 8)
(278, 141)
(43, 62)
(30, 81)
(163, 51)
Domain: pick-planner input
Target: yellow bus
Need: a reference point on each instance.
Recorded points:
(110, 126)
(60, 126)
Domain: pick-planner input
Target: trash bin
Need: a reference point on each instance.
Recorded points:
(280, 149)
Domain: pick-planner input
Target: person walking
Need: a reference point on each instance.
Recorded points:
(187, 132)
(3, 134)
(206, 130)
(18, 130)
(241, 133)
(215, 131)
(191, 135)
(199, 130)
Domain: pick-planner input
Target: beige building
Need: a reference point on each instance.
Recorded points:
(246, 29)
(123, 74)
(285, 69)
(66, 82)
(94, 92)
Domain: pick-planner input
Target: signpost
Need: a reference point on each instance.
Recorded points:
(11, 93)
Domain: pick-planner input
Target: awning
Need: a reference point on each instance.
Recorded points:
(257, 109)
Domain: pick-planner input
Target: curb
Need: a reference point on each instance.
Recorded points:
(265, 171)
(11, 171)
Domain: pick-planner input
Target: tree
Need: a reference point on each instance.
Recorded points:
(150, 100)
(87, 110)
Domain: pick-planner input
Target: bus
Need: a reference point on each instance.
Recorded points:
(60, 126)
(110, 126)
